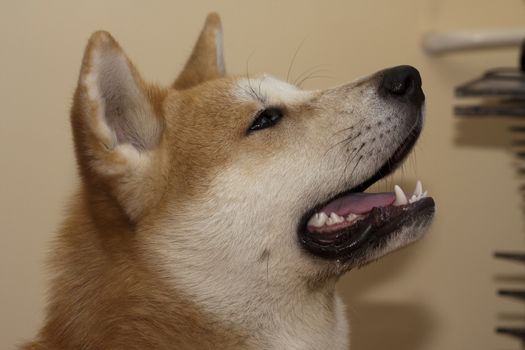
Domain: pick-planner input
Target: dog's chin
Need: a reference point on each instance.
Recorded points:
(409, 233)
(354, 228)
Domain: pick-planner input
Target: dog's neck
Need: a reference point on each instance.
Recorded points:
(198, 307)
(269, 315)
(267, 305)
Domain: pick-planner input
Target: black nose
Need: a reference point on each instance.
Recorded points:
(402, 83)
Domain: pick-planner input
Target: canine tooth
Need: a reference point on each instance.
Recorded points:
(322, 218)
(401, 198)
(318, 220)
(313, 221)
(419, 189)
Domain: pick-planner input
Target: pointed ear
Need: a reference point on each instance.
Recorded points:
(117, 124)
(206, 61)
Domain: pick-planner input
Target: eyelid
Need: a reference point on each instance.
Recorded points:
(271, 112)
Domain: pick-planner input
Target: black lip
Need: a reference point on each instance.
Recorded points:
(371, 231)
(361, 233)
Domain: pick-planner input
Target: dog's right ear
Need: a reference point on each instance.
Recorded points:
(118, 124)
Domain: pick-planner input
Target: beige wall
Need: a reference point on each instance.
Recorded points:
(438, 294)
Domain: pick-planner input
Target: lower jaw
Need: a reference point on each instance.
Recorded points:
(369, 234)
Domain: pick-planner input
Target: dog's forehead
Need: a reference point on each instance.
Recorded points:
(269, 90)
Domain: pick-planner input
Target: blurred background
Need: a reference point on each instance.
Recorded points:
(437, 294)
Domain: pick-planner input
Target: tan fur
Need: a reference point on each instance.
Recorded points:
(205, 63)
(182, 234)
(105, 295)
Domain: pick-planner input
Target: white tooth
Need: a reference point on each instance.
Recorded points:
(334, 219)
(401, 198)
(419, 189)
(330, 220)
(413, 199)
(424, 194)
(313, 221)
(317, 220)
(351, 217)
(322, 218)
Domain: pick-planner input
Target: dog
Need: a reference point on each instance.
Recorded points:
(219, 212)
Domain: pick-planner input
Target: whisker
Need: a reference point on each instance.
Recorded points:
(253, 93)
(345, 141)
(355, 166)
(414, 160)
(350, 161)
(334, 145)
(308, 70)
(358, 150)
(357, 124)
(315, 69)
(310, 77)
(293, 59)
(348, 140)
(264, 98)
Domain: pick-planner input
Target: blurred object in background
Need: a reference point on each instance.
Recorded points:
(502, 94)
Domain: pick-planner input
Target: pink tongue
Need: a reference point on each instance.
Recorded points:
(359, 203)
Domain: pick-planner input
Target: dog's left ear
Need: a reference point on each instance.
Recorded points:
(206, 61)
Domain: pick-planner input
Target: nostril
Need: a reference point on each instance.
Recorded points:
(402, 82)
(400, 86)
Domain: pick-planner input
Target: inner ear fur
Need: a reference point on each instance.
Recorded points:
(207, 60)
(118, 125)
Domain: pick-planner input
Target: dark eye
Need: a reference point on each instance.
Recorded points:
(266, 118)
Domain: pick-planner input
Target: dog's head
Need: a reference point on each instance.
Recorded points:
(249, 177)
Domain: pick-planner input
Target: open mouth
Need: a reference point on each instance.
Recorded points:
(349, 224)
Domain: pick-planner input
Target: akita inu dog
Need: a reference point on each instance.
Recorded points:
(219, 213)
